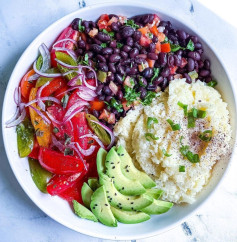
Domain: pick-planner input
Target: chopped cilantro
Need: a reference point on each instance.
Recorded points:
(119, 45)
(212, 83)
(184, 107)
(156, 72)
(150, 135)
(80, 27)
(150, 35)
(173, 125)
(148, 99)
(181, 168)
(130, 95)
(165, 153)
(151, 121)
(55, 130)
(206, 135)
(111, 34)
(190, 46)
(103, 45)
(68, 151)
(115, 104)
(131, 23)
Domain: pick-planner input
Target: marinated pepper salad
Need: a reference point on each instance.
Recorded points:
(69, 102)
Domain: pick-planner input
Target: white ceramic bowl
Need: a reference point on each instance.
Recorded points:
(57, 208)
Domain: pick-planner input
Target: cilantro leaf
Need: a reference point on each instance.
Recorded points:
(156, 72)
(190, 46)
(148, 99)
(149, 136)
(212, 83)
(80, 27)
(130, 95)
(115, 104)
(131, 23)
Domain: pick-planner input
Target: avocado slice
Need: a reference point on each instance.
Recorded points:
(83, 212)
(127, 203)
(154, 193)
(131, 172)
(100, 161)
(129, 217)
(101, 208)
(86, 193)
(93, 183)
(157, 207)
(122, 183)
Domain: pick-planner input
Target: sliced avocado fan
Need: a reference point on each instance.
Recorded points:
(86, 193)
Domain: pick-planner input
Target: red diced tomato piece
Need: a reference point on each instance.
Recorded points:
(173, 70)
(145, 41)
(183, 62)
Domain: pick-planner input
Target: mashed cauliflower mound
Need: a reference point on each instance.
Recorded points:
(178, 186)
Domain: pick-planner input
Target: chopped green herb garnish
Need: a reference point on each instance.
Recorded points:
(190, 46)
(131, 23)
(201, 113)
(114, 104)
(212, 83)
(64, 100)
(150, 35)
(103, 45)
(193, 115)
(55, 130)
(166, 40)
(156, 72)
(173, 125)
(165, 153)
(184, 107)
(141, 82)
(119, 45)
(148, 99)
(181, 168)
(130, 95)
(175, 47)
(68, 151)
(206, 135)
(150, 136)
(191, 120)
(151, 121)
(111, 34)
(80, 27)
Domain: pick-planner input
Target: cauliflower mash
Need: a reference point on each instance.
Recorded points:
(159, 155)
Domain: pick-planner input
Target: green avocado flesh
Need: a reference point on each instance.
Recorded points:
(100, 161)
(93, 183)
(154, 193)
(101, 208)
(86, 193)
(122, 183)
(83, 212)
(130, 171)
(158, 207)
(129, 217)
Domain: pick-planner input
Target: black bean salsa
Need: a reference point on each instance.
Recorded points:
(135, 58)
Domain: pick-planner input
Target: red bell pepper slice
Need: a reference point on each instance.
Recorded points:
(59, 163)
(35, 152)
(165, 47)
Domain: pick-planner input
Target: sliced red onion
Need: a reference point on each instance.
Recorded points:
(46, 58)
(58, 144)
(14, 116)
(69, 52)
(53, 119)
(49, 75)
(38, 95)
(113, 87)
(19, 95)
(33, 77)
(40, 114)
(87, 90)
(68, 90)
(110, 132)
(85, 96)
(85, 152)
(63, 40)
(52, 99)
(65, 65)
(86, 83)
(18, 120)
(73, 81)
(72, 114)
(16, 96)
(161, 29)
(95, 138)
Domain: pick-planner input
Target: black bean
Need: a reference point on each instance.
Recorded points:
(152, 47)
(126, 48)
(142, 81)
(95, 113)
(99, 89)
(151, 87)
(107, 51)
(194, 55)
(106, 57)
(194, 39)
(92, 24)
(133, 70)
(147, 18)
(191, 64)
(139, 60)
(90, 54)
(181, 70)
(125, 62)
(75, 23)
(101, 97)
(107, 90)
(165, 72)
(113, 44)
(115, 27)
(159, 80)
(166, 32)
(85, 23)
(96, 41)
(96, 48)
(127, 31)
(90, 63)
(200, 64)
(114, 58)
(143, 51)
(108, 98)
(87, 30)
(170, 78)
(181, 34)
(148, 72)
(137, 35)
(196, 66)
(118, 37)
(200, 51)
(110, 76)
(129, 41)
(116, 50)
(90, 75)
(204, 73)
(154, 39)
(124, 55)
(162, 59)
(179, 52)
(207, 64)
(143, 92)
(81, 44)
(100, 58)
(152, 56)
(112, 67)
(103, 37)
(173, 38)
(79, 51)
(208, 79)
(134, 52)
(164, 84)
(119, 78)
(188, 78)
(198, 45)
(137, 45)
(170, 60)
(120, 95)
(113, 15)
(103, 67)
(120, 69)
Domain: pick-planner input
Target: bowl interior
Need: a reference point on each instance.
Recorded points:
(56, 207)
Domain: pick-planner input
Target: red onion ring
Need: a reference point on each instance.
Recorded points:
(17, 121)
(53, 119)
(58, 144)
(110, 132)
(16, 96)
(14, 116)
(40, 114)
(85, 82)
(53, 99)
(65, 65)
(72, 114)
(85, 96)
(46, 58)
(38, 94)
(63, 40)
(87, 90)
(85, 152)
(49, 75)
(73, 81)
(94, 137)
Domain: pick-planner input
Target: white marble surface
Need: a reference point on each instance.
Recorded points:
(20, 22)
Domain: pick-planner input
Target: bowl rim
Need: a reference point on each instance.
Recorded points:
(121, 3)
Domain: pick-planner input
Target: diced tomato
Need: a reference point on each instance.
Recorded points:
(60, 92)
(158, 47)
(97, 105)
(173, 70)
(112, 20)
(154, 30)
(26, 85)
(93, 32)
(59, 163)
(104, 115)
(125, 106)
(151, 63)
(144, 41)
(183, 62)
(53, 86)
(91, 82)
(35, 152)
(103, 22)
(144, 30)
(161, 37)
(111, 119)
(156, 19)
(59, 183)
(165, 47)
(68, 33)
